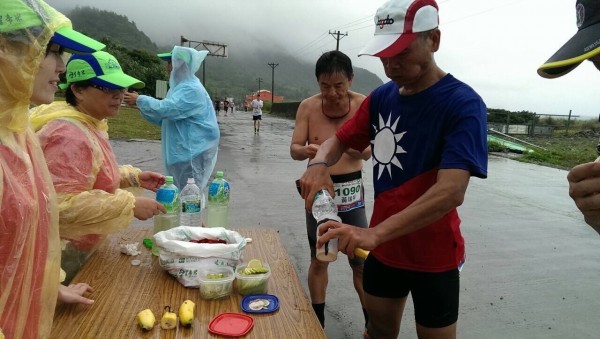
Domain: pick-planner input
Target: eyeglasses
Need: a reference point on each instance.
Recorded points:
(107, 90)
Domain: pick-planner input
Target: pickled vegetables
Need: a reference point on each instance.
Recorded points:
(253, 278)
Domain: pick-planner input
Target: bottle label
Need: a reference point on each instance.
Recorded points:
(167, 197)
(190, 206)
(218, 191)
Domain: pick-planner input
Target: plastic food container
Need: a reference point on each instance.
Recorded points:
(216, 282)
(257, 283)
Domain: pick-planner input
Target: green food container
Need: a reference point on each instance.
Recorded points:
(216, 282)
(252, 283)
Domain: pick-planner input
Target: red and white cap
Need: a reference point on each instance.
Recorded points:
(396, 25)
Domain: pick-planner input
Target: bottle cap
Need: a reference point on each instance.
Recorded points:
(191, 181)
(219, 174)
(169, 179)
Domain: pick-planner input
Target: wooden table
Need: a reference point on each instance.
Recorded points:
(122, 290)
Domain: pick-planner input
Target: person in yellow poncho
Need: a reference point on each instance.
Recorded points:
(87, 179)
(32, 38)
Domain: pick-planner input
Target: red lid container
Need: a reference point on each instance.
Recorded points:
(231, 324)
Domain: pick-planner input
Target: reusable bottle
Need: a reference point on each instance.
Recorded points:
(191, 204)
(217, 209)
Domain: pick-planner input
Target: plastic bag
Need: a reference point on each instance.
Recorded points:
(182, 256)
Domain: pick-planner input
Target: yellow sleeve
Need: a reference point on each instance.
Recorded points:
(130, 176)
(94, 212)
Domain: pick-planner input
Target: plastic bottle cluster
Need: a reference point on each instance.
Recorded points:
(185, 208)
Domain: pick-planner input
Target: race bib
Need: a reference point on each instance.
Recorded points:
(348, 195)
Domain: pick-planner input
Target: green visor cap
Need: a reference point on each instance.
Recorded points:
(18, 16)
(99, 68)
(165, 56)
(73, 41)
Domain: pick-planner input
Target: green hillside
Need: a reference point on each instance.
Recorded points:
(102, 24)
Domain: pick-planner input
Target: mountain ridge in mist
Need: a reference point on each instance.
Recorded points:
(235, 76)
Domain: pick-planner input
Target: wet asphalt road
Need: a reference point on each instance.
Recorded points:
(533, 266)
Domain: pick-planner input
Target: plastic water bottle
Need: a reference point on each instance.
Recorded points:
(217, 209)
(191, 204)
(324, 209)
(168, 196)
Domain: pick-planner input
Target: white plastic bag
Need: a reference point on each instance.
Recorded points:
(183, 258)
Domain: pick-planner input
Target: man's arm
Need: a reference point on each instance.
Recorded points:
(584, 188)
(299, 150)
(446, 194)
(364, 155)
(316, 176)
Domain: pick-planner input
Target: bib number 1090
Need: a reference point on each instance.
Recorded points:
(346, 191)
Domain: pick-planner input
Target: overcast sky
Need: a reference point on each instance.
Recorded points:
(494, 46)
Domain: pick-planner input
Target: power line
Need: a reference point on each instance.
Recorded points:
(359, 28)
(315, 41)
(319, 48)
(520, 2)
(312, 42)
(356, 22)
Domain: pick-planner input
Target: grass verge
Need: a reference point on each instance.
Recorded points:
(562, 151)
(129, 124)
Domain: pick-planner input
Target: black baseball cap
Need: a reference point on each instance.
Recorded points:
(582, 46)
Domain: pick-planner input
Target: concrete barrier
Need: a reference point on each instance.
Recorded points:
(285, 109)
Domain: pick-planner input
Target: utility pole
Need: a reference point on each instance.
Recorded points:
(259, 81)
(568, 122)
(272, 65)
(337, 37)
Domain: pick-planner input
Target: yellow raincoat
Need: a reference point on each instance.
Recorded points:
(29, 241)
(87, 180)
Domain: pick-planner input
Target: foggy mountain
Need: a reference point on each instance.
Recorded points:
(235, 76)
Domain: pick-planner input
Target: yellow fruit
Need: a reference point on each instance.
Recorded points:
(1, 334)
(169, 319)
(256, 270)
(254, 263)
(186, 313)
(359, 252)
(146, 319)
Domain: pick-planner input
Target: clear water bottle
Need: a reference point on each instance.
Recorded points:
(191, 204)
(217, 209)
(324, 209)
(168, 196)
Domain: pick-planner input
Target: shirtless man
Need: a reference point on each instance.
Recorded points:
(317, 119)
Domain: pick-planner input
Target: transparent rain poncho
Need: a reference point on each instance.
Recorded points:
(189, 129)
(88, 182)
(29, 240)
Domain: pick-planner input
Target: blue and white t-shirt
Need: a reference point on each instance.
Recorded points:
(412, 137)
